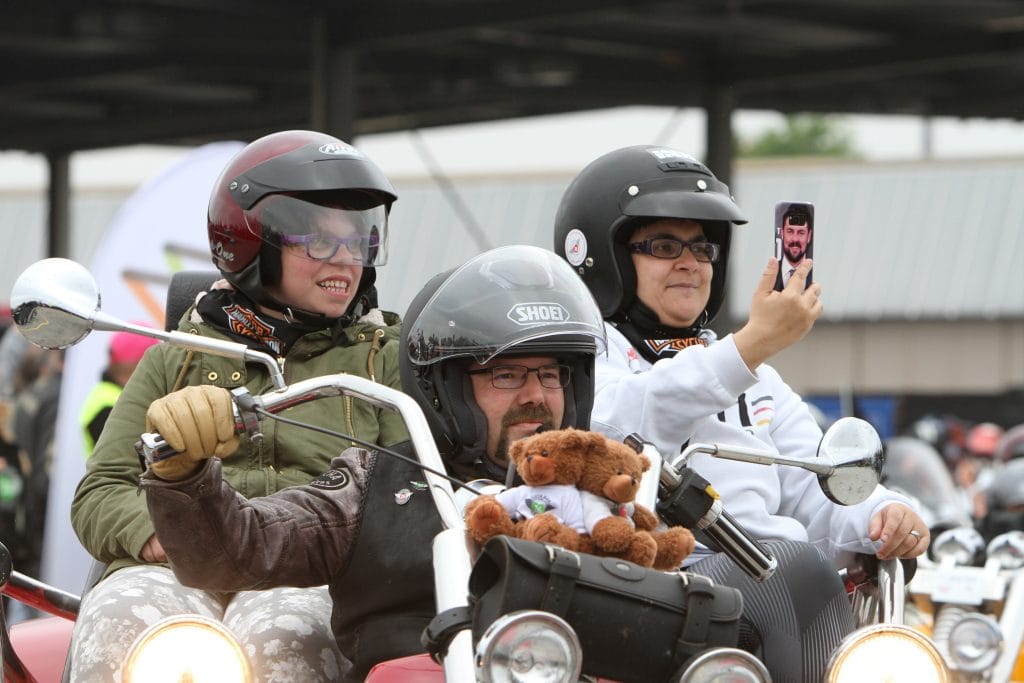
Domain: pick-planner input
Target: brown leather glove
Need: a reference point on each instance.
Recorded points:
(197, 422)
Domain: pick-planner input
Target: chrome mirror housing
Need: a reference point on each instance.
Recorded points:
(54, 302)
(854, 449)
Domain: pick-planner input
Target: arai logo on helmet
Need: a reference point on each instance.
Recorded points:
(666, 153)
(534, 313)
(340, 148)
(219, 250)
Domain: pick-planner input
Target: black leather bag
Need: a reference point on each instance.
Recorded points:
(634, 624)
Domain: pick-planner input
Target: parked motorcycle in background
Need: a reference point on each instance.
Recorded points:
(1005, 496)
(967, 594)
(916, 469)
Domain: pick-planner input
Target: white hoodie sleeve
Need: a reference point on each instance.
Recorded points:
(830, 526)
(664, 402)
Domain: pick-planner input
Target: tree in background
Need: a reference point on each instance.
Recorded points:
(803, 135)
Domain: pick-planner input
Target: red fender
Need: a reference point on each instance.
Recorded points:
(42, 645)
(415, 669)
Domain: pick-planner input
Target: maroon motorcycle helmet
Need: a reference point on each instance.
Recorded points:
(266, 190)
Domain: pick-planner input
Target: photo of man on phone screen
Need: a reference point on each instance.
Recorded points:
(796, 234)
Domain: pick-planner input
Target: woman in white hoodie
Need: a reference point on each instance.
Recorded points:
(648, 228)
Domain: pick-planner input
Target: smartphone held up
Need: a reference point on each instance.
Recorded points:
(794, 239)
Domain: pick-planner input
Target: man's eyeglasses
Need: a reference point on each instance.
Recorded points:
(670, 247)
(320, 247)
(514, 376)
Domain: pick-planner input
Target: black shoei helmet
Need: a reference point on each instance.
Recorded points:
(629, 187)
(516, 300)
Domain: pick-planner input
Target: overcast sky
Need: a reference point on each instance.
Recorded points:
(562, 144)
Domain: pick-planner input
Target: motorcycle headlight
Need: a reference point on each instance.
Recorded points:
(1008, 548)
(186, 648)
(726, 664)
(962, 544)
(529, 647)
(975, 642)
(887, 652)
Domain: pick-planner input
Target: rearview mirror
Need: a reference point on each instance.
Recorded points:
(849, 462)
(56, 303)
(854, 450)
(53, 303)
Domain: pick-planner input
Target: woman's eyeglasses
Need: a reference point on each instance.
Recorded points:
(320, 247)
(670, 247)
(514, 376)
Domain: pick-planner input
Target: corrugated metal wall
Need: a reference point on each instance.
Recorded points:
(922, 264)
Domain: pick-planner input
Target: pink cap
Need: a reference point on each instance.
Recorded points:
(126, 347)
(983, 438)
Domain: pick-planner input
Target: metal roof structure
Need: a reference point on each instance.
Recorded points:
(915, 241)
(101, 73)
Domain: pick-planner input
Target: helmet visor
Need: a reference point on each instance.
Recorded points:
(516, 299)
(321, 230)
(698, 198)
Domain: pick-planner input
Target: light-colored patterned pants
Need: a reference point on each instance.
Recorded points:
(285, 632)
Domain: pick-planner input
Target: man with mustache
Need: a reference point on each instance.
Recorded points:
(492, 352)
(515, 412)
(796, 235)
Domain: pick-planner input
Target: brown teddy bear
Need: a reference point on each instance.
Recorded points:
(617, 526)
(547, 508)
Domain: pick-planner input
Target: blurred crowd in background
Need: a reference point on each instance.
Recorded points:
(29, 393)
(962, 473)
(30, 380)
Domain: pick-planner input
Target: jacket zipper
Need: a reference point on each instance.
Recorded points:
(348, 419)
(271, 471)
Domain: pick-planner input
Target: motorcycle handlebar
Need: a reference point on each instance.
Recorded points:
(688, 499)
(685, 497)
(152, 447)
(733, 540)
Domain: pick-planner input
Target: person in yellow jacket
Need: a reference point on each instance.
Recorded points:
(126, 350)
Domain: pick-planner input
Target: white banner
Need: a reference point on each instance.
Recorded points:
(160, 230)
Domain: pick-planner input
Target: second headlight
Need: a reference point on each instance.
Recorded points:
(887, 652)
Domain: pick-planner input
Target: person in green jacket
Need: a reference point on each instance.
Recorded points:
(297, 223)
(125, 352)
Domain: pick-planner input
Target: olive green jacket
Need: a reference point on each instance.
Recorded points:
(109, 509)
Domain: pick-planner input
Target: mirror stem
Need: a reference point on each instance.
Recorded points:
(195, 342)
(757, 457)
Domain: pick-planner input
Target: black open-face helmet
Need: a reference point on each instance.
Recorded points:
(515, 300)
(627, 188)
(282, 185)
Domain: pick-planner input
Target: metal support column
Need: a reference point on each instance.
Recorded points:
(333, 87)
(719, 107)
(58, 223)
